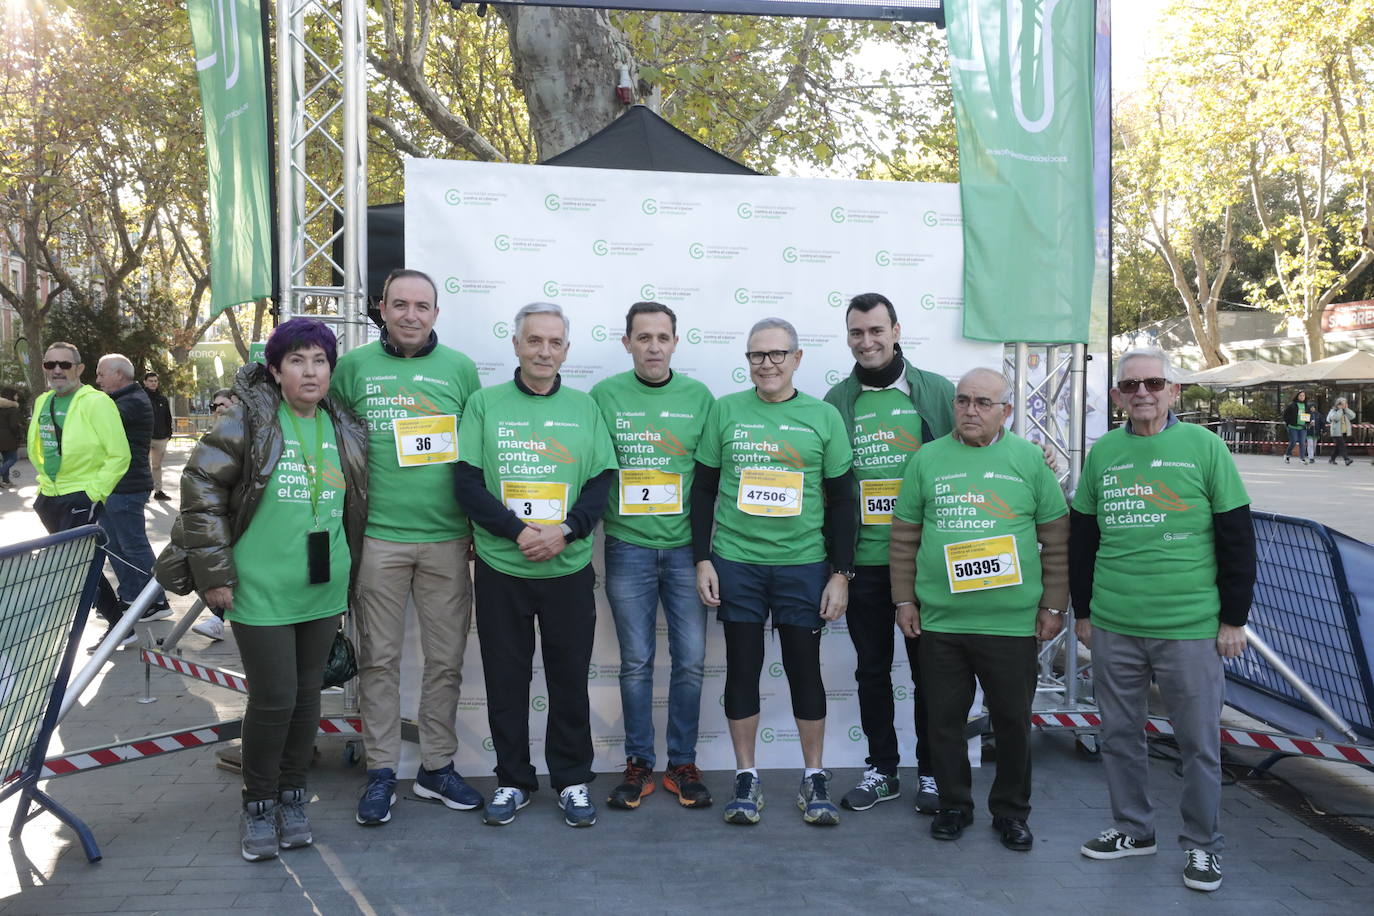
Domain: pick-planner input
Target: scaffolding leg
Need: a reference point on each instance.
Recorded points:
(45, 801)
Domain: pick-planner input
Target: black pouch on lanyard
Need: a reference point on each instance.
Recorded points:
(317, 556)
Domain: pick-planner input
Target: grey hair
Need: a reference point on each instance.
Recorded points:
(540, 308)
(1008, 392)
(120, 362)
(1146, 353)
(763, 324)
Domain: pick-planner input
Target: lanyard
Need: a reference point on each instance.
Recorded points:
(56, 430)
(312, 462)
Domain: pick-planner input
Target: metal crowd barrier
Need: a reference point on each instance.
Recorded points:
(47, 587)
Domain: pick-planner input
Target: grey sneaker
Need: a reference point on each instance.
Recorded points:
(813, 798)
(747, 805)
(1203, 871)
(576, 802)
(293, 827)
(874, 787)
(258, 830)
(927, 795)
(1113, 844)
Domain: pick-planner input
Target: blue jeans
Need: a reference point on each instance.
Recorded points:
(637, 578)
(123, 523)
(1296, 437)
(7, 461)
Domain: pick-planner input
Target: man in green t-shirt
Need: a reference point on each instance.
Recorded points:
(979, 560)
(536, 466)
(655, 416)
(411, 391)
(1162, 559)
(773, 473)
(891, 409)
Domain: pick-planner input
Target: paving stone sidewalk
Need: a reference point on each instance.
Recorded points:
(168, 826)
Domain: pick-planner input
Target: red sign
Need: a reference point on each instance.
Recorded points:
(1348, 316)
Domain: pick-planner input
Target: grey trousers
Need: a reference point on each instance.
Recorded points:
(1192, 682)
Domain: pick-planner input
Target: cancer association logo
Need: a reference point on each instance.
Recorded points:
(539, 704)
(694, 335)
(501, 330)
(599, 248)
(696, 251)
(599, 332)
(738, 375)
(882, 257)
(856, 733)
(775, 669)
(928, 302)
(649, 206)
(551, 288)
(789, 254)
(930, 219)
(745, 210)
(502, 242)
(767, 735)
(453, 285)
(837, 214)
(453, 197)
(833, 377)
(552, 203)
(834, 299)
(742, 296)
(648, 291)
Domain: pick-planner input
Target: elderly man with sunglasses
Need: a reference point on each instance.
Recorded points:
(1162, 572)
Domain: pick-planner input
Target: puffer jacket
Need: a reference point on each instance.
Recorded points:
(227, 475)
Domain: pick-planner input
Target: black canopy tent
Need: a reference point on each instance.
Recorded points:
(638, 139)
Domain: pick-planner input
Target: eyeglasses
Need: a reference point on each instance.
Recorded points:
(1132, 385)
(962, 401)
(51, 364)
(776, 357)
(220, 405)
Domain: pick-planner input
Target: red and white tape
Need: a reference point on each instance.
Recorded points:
(217, 676)
(1266, 741)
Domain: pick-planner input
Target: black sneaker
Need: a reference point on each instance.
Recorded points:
(1203, 871)
(873, 787)
(927, 795)
(637, 783)
(684, 781)
(162, 496)
(1113, 844)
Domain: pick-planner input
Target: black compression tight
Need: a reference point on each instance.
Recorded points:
(801, 659)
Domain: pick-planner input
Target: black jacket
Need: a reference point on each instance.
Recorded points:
(162, 414)
(136, 413)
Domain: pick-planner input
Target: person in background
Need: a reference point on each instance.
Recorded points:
(1340, 418)
(1296, 416)
(11, 434)
(212, 627)
(162, 431)
(273, 507)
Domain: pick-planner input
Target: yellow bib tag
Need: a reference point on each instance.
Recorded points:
(649, 492)
(544, 503)
(765, 491)
(877, 499)
(426, 440)
(982, 564)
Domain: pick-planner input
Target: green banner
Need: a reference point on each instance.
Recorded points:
(228, 42)
(1023, 94)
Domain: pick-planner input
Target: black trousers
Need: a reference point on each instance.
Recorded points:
(1340, 451)
(507, 608)
(72, 510)
(285, 668)
(1006, 667)
(871, 618)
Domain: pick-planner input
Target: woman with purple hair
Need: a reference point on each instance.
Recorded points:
(273, 507)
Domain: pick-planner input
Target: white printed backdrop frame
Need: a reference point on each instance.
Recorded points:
(722, 251)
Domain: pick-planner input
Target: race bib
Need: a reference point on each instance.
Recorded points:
(974, 566)
(650, 492)
(426, 440)
(765, 491)
(544, 503)
(877, 498)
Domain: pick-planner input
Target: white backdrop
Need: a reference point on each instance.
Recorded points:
(723, 252)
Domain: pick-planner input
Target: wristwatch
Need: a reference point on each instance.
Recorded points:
(1055, 611)
(847, 572)
(567, 531)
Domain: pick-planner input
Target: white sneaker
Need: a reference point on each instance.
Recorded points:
(126, 641)
(211, 628)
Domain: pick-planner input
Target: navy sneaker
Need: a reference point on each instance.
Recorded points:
(747, 806)
(445, 785)
(378, 796)
(576, 802)
(505, 801)
(813, 798)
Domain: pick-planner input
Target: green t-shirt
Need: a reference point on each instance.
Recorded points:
(536, 453)
(410, 503)
(271, 557)
(655, 431)
(886, 433)
(1154, 498)
(55, 409)
(978, 568)
(773, 460)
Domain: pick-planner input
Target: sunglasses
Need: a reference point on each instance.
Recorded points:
(1132, 385)
(57, 364)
